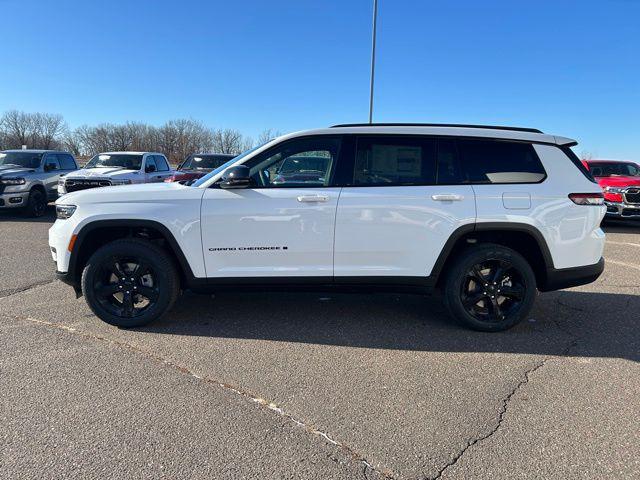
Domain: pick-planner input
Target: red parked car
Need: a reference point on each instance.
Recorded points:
(620, 181)
(198, 165)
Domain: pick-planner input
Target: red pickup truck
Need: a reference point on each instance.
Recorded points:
(620, 181)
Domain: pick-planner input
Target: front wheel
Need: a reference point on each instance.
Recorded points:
(36, 203)
(130, 283)
(490, 288)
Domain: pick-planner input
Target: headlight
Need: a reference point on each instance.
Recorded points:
(61, 181)
(613, 189)
(12, 181)
(120, 182)
(64, 211)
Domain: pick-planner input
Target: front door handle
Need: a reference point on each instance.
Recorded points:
(312, 198)
(447, 197)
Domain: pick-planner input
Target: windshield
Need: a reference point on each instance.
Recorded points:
(21, 159)
(125, 160)
(612, 169)
(226, 165)
(205, 161)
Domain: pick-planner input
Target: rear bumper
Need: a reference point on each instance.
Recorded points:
(622, 210)
(572, 277)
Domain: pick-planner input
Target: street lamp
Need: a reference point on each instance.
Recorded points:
(373, 59)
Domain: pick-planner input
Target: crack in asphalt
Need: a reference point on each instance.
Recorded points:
(13, 291)
(501, 414)
(246, 394)
(505, 401)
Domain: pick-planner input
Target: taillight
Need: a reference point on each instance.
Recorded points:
(587, 198)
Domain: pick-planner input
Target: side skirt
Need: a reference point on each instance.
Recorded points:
(416, 285)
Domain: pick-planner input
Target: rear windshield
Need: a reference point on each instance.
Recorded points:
(205, 161)
(613, 169)
(20, 159)
(125, 160)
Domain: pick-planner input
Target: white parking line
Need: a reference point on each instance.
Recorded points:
(623, 264)
(623, 243)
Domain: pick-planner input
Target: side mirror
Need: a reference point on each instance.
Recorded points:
(150, 168)
(236, 177)
(49, 166)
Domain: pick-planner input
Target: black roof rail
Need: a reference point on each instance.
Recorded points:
(491, 127)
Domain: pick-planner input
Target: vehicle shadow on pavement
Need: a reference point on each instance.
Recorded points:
(621, 226)
(18, 216)
(572, 323)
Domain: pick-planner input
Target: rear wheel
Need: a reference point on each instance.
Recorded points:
(490, 288)
(36, 203)
(130, 283)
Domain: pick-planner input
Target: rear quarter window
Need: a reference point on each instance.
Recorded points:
(496, 161)
(578, 163)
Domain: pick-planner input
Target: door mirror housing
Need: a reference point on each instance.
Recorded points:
(236, 177)
(49, 167)
(150, 168)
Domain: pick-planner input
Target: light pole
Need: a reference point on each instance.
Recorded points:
(373, 59)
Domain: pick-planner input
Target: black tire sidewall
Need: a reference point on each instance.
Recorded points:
(164, 274)
(457, 274)
(36, 197)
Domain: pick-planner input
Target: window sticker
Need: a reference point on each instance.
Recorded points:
(394, 160)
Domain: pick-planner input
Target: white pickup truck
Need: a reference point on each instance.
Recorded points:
(117, 168)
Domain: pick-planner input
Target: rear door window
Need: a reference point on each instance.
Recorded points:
(149, 162)
(388, 160)
(51, 162)
(66, 161)
(496, 161)
(161, 163)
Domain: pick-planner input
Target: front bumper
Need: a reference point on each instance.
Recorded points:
(622, 210)
(14, 199)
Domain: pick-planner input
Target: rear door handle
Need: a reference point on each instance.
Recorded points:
(312, 198)
(447, 197)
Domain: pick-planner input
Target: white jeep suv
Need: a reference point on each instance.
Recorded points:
(489, 215)
(117, 168)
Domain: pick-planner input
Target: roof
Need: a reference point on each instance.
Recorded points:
(129, 153)
(32, 150)
(505, 133)
(609, 161)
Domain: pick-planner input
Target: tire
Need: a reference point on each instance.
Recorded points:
(146, 286)
(490, 288)
(36, 204)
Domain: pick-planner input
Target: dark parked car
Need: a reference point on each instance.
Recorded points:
(198, 165)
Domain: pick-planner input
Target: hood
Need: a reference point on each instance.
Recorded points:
(618, 181)
(135, 193)
(102, 172)
(7, 171)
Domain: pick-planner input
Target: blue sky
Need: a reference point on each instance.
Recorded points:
(567, 67)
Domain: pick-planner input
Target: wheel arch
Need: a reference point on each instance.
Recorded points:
(38, 186)
(100, 232)
(521, 237)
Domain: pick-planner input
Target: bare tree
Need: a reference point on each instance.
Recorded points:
(175, 138)
(228, 141)
(17, 127)
(267, 135)
(35, 130)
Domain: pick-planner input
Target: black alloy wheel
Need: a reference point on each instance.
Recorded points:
(126, 286)
(489, 288)
(492, 290)
(130, 282)
(36, 203)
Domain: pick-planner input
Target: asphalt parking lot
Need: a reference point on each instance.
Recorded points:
(316, 385)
